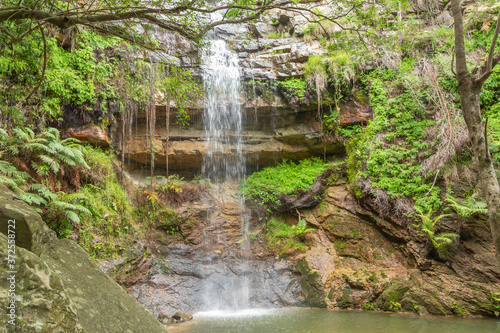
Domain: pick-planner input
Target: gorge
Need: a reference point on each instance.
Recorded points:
(258, 177)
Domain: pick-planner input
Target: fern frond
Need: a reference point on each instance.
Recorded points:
(4, 136)
(72, 216)
(469, 207)
(53, 164)
(33, 198)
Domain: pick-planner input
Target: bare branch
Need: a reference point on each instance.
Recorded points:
(493, 59)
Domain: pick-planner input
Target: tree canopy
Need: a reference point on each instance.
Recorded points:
(132, 19)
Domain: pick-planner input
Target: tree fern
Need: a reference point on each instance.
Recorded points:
(48, 154)
(469, 207)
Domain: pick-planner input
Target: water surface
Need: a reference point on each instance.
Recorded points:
(300, 320)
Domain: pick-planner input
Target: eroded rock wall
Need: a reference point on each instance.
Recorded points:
(364, 261)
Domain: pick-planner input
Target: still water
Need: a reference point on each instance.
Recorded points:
(300, 320)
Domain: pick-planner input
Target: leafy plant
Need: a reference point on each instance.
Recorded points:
(469, 207)
(294, 91)
(283, 238)
(300, 229)
(439, 240)
(394, 306)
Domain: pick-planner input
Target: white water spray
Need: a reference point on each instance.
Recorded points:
(224, 160)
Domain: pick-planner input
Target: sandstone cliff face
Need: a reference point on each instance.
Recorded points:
(271, 133)
(58, 288)
(364, 261)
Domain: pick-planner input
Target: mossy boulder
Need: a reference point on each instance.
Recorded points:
(41, 303)
(311, 285)
(58, 287)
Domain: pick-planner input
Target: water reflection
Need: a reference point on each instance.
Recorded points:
(300, 320)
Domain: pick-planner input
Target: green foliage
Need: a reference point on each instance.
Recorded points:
(458, 309)
(395, 306)
(469, 207)
(283, 238)
(81, 75)
(278, 35)
(48, 156)
(439, 240)
(286, 178)
(294, 89)
(99, 214)
(390, 150)
(496, 303)
(108, 221)
(178, 86)
(260, 88)
(367, 307)
(154, 212)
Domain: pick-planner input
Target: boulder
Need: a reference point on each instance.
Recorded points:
(91, 134)
(58, 287)
(41, 302)
(30, 231)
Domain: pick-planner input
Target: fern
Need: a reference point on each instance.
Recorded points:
(51, 162)
(469, 207)
(439, 240)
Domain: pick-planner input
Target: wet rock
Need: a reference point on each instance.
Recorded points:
(183, 282)
(295, 136)
(180, 317)
(91, 134)
(354, 114)
(380, 264)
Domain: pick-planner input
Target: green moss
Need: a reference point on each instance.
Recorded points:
(458, 309)
(345, 300)
(283, 238)
(392, 296)
(367, 307)
(311, 284)
(340, 244)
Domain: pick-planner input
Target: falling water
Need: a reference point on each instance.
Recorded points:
(222, 118)
(224, 160)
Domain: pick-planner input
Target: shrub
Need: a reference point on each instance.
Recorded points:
(287, 178)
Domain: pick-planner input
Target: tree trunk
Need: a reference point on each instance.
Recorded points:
(469, 95)
(469, 90)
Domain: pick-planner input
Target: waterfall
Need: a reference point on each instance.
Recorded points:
(224, 163)
(222, 117)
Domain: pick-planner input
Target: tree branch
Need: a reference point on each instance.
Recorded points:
(489, 64)
(44, 65)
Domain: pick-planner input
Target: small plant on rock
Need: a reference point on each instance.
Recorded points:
(439, 240)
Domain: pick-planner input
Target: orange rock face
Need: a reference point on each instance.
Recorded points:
(91, 134)
(354, 113)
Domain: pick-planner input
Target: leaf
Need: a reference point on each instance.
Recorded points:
(72, 216)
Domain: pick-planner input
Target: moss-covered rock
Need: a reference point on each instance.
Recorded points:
(58, 288)
(31, 232)
(41, 303)
(311, 285)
